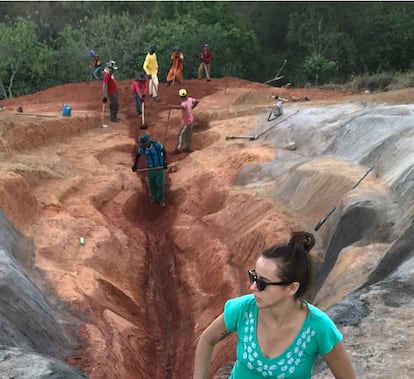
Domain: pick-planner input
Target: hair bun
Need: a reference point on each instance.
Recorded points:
(307, 240)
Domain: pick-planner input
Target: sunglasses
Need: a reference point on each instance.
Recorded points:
(262, 284)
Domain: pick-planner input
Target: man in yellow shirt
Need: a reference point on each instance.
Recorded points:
(150, 67)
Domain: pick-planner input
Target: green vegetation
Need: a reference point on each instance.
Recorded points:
(44, 44)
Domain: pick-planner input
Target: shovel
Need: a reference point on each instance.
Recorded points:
(206, 71)
(103, 111)
(143, 116)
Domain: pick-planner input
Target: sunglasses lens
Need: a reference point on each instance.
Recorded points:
(261, 285)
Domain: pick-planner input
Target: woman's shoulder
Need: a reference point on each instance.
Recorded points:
(245, 301)
(317, 315)
(238, 309)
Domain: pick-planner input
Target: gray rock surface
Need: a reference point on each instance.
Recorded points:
(34, 332)
(374, 315)
(19, 364)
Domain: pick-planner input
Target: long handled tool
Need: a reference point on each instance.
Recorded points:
(277, 77)
(206, 71)
(166, 129)
(150, 169)
(34, 115)
(143, 126)
(256, 136)
(175, 71)
(323, 220)
(103, 112)
(170, 168)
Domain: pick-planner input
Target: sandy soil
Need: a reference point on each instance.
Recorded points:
(148, 279)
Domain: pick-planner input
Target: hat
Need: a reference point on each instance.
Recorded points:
(91, 53)
(144, 139)
(206, 45)
(112, 64)
(182, 92)
(141, 76)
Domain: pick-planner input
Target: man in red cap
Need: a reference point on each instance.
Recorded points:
(205, 65)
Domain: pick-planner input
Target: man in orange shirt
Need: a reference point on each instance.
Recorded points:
(176, 70)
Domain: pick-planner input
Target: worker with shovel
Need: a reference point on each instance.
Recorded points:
(176, 70)
(139, 88)
(156, 156)
(110, 89)
(185, 136)
(205, 65)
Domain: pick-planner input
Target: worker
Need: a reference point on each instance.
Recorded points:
(185, 136)
(156, 156)
(96, 65)
(139, 88)
(150, 67)
(176, 70)
(205, 64)
(110, 89)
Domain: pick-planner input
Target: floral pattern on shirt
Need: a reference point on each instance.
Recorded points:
(288, 361)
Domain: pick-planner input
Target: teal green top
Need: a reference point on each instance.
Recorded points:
(317, 336)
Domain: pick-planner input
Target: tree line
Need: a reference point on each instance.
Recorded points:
(43, 44)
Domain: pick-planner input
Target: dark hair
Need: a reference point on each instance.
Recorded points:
(293, 259)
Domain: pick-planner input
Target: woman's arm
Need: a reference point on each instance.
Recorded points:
(214, 333)
(339, 362)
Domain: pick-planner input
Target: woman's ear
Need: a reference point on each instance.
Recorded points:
(293, 288)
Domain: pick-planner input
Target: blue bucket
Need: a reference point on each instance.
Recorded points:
(66, 110)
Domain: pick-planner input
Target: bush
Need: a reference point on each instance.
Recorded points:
(384, 81)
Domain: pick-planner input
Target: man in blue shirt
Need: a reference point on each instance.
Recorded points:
(156, 157)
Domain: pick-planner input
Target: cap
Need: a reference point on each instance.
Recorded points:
(91, 53)
(112, 64)
(144, 139)
(206, 45)
(182, 92)
(141, 76)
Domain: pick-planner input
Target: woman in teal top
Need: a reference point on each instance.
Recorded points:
(279, 334)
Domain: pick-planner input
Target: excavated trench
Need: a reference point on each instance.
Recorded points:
(150, 279)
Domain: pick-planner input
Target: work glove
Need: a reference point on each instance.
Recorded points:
(165, 165)
(104, 100)
(133, 168)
